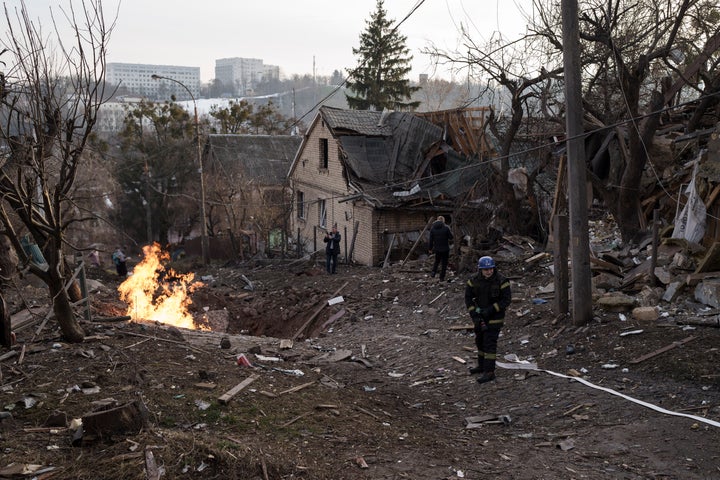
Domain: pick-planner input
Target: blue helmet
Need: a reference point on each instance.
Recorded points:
(485, 263)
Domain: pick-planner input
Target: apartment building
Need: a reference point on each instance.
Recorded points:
(136, 79)
(240, 76)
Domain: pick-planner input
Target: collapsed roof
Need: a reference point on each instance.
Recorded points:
(395, 159)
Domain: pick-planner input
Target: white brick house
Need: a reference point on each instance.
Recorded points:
(375, 176)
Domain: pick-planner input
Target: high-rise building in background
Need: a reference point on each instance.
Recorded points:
(136, 79)
(240, 76)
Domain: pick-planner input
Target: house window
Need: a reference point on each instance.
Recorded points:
(301, 205)
(324, 153)
(322, 212)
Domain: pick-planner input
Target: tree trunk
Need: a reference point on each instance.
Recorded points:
(64, 313)
(629, 197)
(71, 330)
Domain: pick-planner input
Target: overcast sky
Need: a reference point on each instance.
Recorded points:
(288, 33)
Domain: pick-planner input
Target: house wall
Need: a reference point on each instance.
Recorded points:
(317, 183)
(375, 227)
(389, 222)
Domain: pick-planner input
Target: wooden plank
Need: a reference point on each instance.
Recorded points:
(711, 261)
(461, 327)
(713, 321)
(6, 339)
(538, 257)
(419, 239)
(559, 195)
(387, 256)
(227, 396)
(352, 243)
(711, 199)
(296, 388)
(662, 350)
(317, 312)
(693, 279)
(434, 299)
(606, 265)
(293, 420)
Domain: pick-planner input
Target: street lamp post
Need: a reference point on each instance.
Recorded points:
(203, 229)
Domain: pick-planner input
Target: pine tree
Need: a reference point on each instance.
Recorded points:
(380, 79)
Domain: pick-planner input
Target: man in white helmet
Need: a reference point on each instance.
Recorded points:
(487, 296)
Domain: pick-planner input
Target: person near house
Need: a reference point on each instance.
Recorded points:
(332, 249)
(439, 244)
(487, 296)
(120, 261)
(94, 257)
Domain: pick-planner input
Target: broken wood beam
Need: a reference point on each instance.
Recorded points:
(434, 299)
(662, 350)
(227, 396)
(693, 279)
(713, 321)
(711, 261)
(296, 388)
(317, 312)
(461, 327)
(6, 339)
(293, 420)
(387, 256)
(603, 265)
(419, 239)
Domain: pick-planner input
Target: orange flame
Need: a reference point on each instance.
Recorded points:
(150, 298)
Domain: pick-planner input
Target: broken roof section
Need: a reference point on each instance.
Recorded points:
(264, 159)
(397, 159)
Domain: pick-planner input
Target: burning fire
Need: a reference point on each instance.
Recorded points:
(154, 293)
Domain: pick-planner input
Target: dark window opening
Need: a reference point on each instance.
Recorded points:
(324, 153)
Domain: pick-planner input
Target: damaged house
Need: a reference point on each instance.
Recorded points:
(381, 177)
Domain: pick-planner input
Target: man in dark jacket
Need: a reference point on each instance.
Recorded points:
(439, 244)
(332, 249)
(487, 296)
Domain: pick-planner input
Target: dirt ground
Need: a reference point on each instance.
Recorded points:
(375, 386)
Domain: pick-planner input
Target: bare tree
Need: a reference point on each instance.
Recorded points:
(638, 57)
(629, 44)
(518, 75)
(49, 98)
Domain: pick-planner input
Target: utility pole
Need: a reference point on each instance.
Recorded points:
(577, 181)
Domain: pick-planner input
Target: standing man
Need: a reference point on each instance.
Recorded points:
(487, 296)
(439, 244)
(332, 249)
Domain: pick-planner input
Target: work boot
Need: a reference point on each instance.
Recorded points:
(486, 377)
(478, 369)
